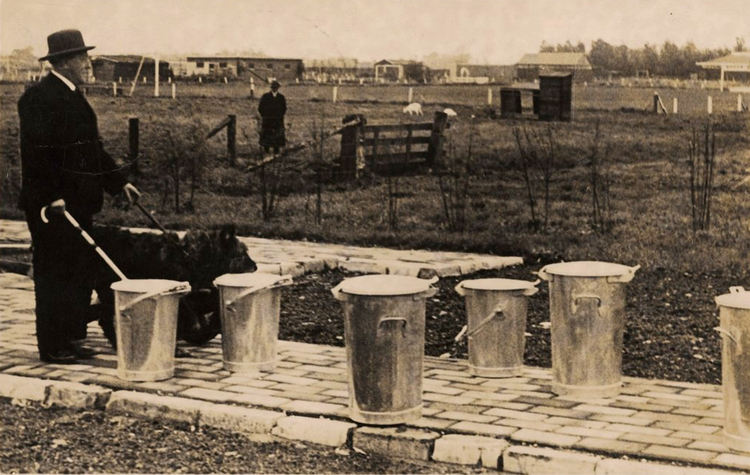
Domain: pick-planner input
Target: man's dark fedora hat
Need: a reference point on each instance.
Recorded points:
(275, 83)
(65, 43)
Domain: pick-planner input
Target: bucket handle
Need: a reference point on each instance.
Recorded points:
(624, 278)
(577, 298)
(460, 289)
(731, 337)
(179, 289)
(736, 290)
(526, 292)
(542, 273)
(282, 282)
(338, 294)
(497, 313)
(425, 294)
(394, 319)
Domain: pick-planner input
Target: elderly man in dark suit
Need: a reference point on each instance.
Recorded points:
(272, 108)
(64, 167)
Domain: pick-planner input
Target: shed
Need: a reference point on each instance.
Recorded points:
(555, 96)
(736, 63)
(531, 66)
(113, 67)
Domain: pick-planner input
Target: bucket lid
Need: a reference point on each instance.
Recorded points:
(252, 279)
(144, 286)
(497, 284)
(384, 284)
(587, 269)
(739, 298)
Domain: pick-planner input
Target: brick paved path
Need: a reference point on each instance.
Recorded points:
(299, 257)
(651, 419)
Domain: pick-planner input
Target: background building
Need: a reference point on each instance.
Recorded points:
(532, 65)
(263, 69)
(125, 67)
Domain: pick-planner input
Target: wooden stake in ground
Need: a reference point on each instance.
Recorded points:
(137, 73)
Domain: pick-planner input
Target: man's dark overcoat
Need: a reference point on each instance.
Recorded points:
(62, 158)
(272, 110)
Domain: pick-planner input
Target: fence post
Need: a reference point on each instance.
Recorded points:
(710, 105)
(133, 140)
(489, 96)
(350, 143)
(156, 77)
(656, 103)
(674, 105)
(174, 91)
(411, 95)
(114, 89)
(435, 147)
(739, 102)
(335, 93)
(232, 139)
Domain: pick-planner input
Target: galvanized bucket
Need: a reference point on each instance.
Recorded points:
(250, 306)
(384, 324)
(587, 317)
(734, 314)
(496, 323)
(146, 327)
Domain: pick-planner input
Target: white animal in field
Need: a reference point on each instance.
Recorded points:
(413, 108)
(450, 112)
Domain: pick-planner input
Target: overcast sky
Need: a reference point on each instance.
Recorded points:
(491, 31)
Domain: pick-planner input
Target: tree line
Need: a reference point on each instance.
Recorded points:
(668, 60)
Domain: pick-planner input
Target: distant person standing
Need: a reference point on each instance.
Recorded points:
(64, 169)
(272, 108)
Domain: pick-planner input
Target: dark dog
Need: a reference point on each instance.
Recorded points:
(197, 258)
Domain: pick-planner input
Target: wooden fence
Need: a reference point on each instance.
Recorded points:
(391, 148)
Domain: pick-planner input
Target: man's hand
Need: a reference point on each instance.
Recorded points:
(57, 207)
(131, 193)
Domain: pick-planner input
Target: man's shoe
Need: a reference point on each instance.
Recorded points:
(82, 352)
(63, 356)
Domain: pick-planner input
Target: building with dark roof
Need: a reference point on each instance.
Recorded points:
(263, 69)
(531, 66)
(125, 67)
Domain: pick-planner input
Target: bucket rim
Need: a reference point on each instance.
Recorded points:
(739, 300)
(249, 279)
(497, 284)
(143, 286)
(384, 285)
(587, 269)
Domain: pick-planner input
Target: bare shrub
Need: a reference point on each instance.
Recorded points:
(702, 159)
(454, 180)
(537, 154)
(599, 181)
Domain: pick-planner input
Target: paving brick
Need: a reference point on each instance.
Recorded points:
(658, 416)
(610, 446)
(698, 412)
(459, 400)
(76, 395)
(238, 419)
(741, 462)
(622, 419)
(314, 430)
(206, 394)
(702, 393)
(483, 429)
(639, 429)
(444, 389)
(587, 432)
(718, 447)
(526, 424)
(260, 400)
(566, 421)
(469, 450)
(307, 407)
(655, 439)
(319, 369)
(628, 467)
(511, 414)
(561, 412)
(679, 426)
(677, 453)
(698, 436)
(505, 383)
(711, 421)
(444, 406)
(162, 386)
(395, 442)
(544, 438)
(18, 387)
(489, 395)
(652, 407)
(548, 402)
(425, 422)
(152, 406)
(539, 460)
(614, 411)
(466, 416)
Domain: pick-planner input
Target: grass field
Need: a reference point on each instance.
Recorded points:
(649, 191)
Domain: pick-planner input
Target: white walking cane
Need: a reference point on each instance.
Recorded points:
(89, 240)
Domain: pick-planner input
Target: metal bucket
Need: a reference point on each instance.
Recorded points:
(587, 317)
(384, 324)
(146, 327)
(496, 323)
(250, 306)
(734, 312)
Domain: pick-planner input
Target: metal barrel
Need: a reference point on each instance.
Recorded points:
(734, 314)
(250, 306)
(587, 318)
(384, 326)
(496, 324)
(146, 327)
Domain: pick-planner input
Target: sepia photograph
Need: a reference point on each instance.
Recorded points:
(375, 236)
